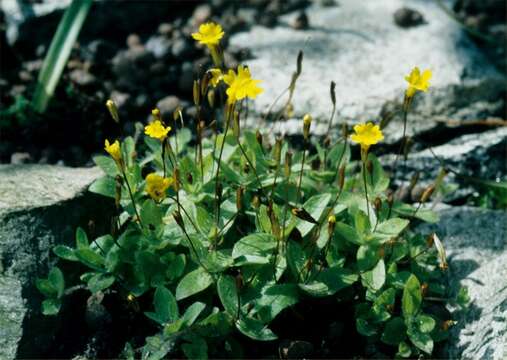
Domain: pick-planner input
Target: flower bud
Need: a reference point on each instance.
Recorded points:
(381, 251)
(176, 177)
(156, 114)
(430, 240)
(427, 193)
(256, 202)
(288, 164)
(190, 178)
(258, 137)
(299, 63)
(332, 92)
(239, 198)
(341, 177)
(196, 92)
(307, 122)
(369, 167)
(211, 98)
(424, 289)
(345, 131)
(205, 82)
(235, 124)
(331, 224)
(302, 214)
(179, 220)
(277, 153)
(378, 204)
(327, 141)
(113, 110)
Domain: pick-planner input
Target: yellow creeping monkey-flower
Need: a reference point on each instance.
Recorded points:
(156, 186)
(417, 81)
(113, 149)
(156, 130)
(216, 76)
(209, 34)
(241, 85)
(366, 135)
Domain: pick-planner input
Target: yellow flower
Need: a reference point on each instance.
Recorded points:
(417, 81)
(156, 186)
(156, 130)
(113, 149)
(209, 34)
(241, 85)
(216, 76)
(366, 135)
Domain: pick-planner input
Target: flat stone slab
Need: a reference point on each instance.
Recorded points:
(357, 45)
(476, 245)
(40, 206)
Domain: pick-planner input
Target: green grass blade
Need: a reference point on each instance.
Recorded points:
(59, 51)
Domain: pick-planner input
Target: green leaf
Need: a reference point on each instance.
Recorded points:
(367, 257)
(383, 305)
(365, 328)
(81, 239)
(255, 329)
(51, 306)
(274, 299)
(420, 340)
(193, 283)
(412, 297)
(64, 252)
(404, 350)
(46, 287)
(105, 186)
(329, 281)
(192, 313)
(59, 52)
(99, 282)
(378, 177)
(228, 294)
(254, 248)
(196, 349)
(315, 206)
(394, 332)
(375, 278)
(389, 229)
(151, 213)
(425, 323)
(217, 324)
(348, 233)
(90, 258)
(57, 280)
(107, 164)
(296, 258)
(165, 305)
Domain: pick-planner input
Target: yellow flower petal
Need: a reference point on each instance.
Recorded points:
(417, 81)
(156, 130)
(209, 34)
(156, 186)
(367, 134)
(113, 149)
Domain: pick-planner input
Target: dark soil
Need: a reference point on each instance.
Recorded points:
(139, 53)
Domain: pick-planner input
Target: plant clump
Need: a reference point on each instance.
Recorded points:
(222, 237)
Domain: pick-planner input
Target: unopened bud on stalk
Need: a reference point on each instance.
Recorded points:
(176, 177)
(278, 150)
(381, 251)
(118, 187)
(307, 122)
(345, 131)
(413, 180)
(327, 141)
(424, 289)
(332, 92)
(331, 224)
(258, 137)
(427, 193)
(299, 67)
(341, 177)
(156, 114)
(378, 204)
(205, 82)
(288, 164)
(407, 146)
(197, 93)
(256, 202)
(235, 124)
(369, 167)
(211, 98)
(179, 220)
(113, 110)
(430, 240)
(190, 178)
(239, 198)
(390, 199)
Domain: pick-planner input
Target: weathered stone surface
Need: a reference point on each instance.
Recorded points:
(357, 45)
(40, 207)
(476, 244)
(479, 155)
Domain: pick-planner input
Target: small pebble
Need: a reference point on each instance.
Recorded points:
(406, 17)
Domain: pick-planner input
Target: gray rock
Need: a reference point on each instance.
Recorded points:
(357, 45)
(167, 106)
(40, 206)
(20, 158)
(159, 46)
(476, 245)
(479, 155)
